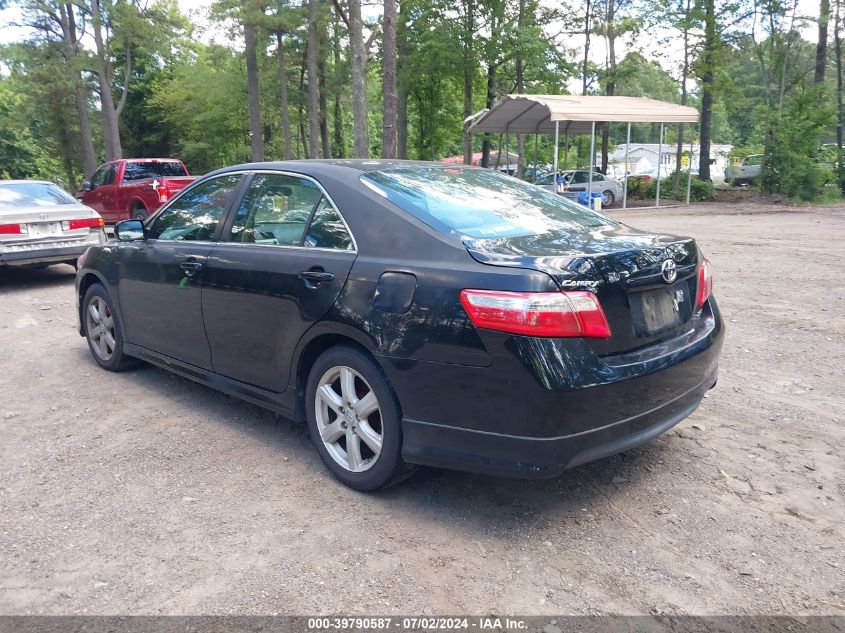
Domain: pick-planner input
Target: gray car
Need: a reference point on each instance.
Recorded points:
(610, 188)
(41, 224)
(746, 172)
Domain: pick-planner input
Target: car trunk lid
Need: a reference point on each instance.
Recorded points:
(623, 266)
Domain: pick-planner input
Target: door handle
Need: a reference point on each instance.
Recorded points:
(314, 277)
(190, 268)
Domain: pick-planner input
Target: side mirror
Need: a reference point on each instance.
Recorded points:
(86, 185)
(129, 231)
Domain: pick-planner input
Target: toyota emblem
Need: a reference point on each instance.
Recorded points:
(669, 271)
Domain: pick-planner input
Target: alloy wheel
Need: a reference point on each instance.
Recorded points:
(100, 327)
(348, 419)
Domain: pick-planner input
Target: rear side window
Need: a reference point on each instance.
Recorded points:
(195, 214)
(153, 169)
(275, 210)
(479, 203)
(327, 230)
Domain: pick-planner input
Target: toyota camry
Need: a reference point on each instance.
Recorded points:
(412, 313)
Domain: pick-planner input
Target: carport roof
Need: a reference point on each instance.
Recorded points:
(527, 114)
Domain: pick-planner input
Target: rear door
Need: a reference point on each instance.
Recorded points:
(281, 264)
(161, 278)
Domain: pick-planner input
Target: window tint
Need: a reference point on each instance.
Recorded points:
(194, 215)
(479, 203)
(111, 173)
(275, 210)
(153, 169)
(578, 177)
(327, 230)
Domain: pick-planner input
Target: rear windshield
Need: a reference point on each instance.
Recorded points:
(479, 203)
(32, 194)
(153, 169)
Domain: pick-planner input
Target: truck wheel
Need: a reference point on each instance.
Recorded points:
(139, 212)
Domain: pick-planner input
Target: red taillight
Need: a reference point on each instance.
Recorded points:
(13, 229)
(554, 314)
(705, 283)
(84, 223)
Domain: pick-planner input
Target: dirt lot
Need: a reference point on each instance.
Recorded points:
(144, 493)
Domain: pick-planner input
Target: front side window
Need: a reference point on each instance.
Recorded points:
(111, 173)
(275, 210)
(479, 203)
(195, 214)
(327, 230)
(99, 177)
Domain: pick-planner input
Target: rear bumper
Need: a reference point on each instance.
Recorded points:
(40, 255)
(538, 458)
(545, 405)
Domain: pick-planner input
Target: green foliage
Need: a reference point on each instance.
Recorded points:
(791, 165)
(700, 190)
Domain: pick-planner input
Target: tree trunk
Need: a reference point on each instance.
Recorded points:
(821, 47)
(313, 89)
(337, 111)
(610, 83)
(491, 96)
(402, 93)
(360, 124)
(468, 71)
(586, 48)
(520, 88)
(707, 88)
(679, 150)
(111, 130)
(324, 108)
(89, 158)
(255, 131)
(388, 148)
(284, 105)
(840, 110)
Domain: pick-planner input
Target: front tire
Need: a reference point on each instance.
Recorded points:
(354, 420)
(609, 198)
(103, 331)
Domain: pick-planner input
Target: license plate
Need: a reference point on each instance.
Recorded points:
(661, 310)
(44, 229)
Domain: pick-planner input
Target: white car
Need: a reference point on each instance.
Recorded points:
(41, 224)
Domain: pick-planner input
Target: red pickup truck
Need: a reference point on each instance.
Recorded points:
(134, 187)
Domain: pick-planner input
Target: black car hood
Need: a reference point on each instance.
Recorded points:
(607, 254)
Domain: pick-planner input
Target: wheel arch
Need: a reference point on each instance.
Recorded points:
(86, 280)
(136, 203)
(310, 349)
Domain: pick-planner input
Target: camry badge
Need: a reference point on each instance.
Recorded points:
(669, 271)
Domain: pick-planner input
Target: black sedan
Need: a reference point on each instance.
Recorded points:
(412, 313)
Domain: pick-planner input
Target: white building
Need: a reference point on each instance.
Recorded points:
(643, 157)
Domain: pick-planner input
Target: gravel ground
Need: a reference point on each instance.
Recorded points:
(143, 493)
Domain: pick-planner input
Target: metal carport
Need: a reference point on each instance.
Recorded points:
(548, 114)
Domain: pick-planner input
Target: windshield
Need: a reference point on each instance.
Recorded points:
(32, 194)
(153, 169)
(479, 203)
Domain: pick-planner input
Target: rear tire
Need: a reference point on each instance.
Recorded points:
(103, 330)
(609, 198)
(139, 212)
(354, 420)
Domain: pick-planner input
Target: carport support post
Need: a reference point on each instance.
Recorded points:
(689, 167)
(659, 165)
(536, 141)
(592, 164)
(557, 138)
(625, 182)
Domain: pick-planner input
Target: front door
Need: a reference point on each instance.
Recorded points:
(279, 266)
(161, 278)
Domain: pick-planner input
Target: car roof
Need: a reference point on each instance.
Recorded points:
(316, 167)
(150, 159)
